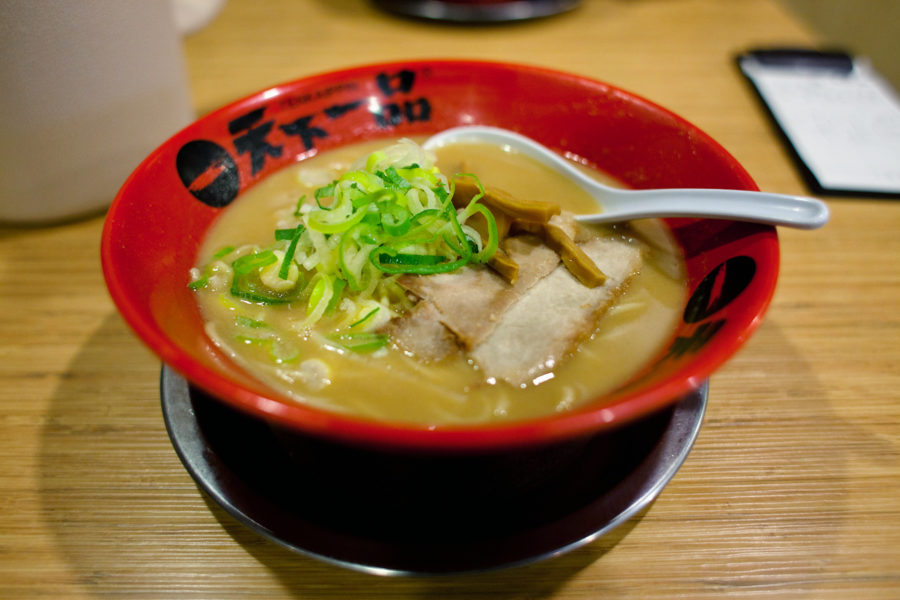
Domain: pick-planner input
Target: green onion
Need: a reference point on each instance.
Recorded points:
(203, 280)
(368, 315)
(317, 293)
(247, 286)
(394, 216)
(374, 159)
(289, 233)
(255, 261)
(493, 237)
(198, 283)
(280, 351)
(338, 285)
(415, 269)
(323, 224)
(353, 249)
(223, 252)
(395, 219)
(393, 180)
(285, 268)
(326, 191)
(362, 342)
(458, 242)
(441, 193)
(410, 259)
(248, 322)
(284, 352)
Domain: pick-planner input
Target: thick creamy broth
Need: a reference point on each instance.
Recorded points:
(389, 384)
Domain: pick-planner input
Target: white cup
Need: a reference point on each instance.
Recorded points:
(87, 89)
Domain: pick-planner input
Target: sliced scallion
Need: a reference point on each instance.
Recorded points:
(362, 342)
(252, 262)
(365, 318)
(223, 252)
(199, 283)
(285, 269)
(391, 217)
(250, 323)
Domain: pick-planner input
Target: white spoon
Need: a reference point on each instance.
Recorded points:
(623, 204)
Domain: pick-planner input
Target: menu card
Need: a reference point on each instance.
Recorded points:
(840, 117)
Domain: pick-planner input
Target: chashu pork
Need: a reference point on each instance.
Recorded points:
(546, 324)
(515, 333)
(470, 301)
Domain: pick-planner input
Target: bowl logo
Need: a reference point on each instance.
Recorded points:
(718, 289)
(213, 175)
(208, 172)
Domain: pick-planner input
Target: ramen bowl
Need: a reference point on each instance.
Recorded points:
(160, 217)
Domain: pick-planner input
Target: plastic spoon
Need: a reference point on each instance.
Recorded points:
(623, 204)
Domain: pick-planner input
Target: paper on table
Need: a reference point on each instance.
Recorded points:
(844, 126)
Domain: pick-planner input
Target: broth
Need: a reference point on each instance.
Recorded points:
(452, 391)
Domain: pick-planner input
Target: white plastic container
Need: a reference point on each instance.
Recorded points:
(87, 89)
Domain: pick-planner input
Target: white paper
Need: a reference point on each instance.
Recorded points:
(844, 126)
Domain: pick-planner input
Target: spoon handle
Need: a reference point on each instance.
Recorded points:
(623, 205)
(739, 205)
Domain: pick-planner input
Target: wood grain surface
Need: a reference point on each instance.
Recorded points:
(791, 491)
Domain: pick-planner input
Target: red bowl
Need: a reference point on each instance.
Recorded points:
(161, 214)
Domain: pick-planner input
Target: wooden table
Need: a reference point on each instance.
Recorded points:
(792, 489)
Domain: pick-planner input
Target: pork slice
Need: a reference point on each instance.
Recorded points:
(420, 333)
(470, 301)
(554, 315)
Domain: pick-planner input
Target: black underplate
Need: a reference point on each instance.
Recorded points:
(393, 512)
(477, 12)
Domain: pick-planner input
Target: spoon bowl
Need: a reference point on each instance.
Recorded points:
(623, 204)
